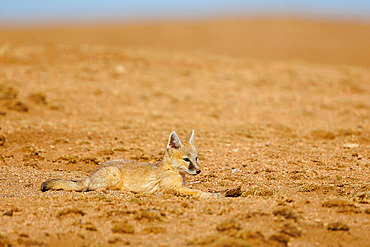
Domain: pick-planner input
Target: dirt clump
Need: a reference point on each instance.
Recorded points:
(337, 202)
(235, 192)
(123, 227)
(148, 216)
(218, 240)
(337, 226)
(281, 238)
(17, 105)
(248, 234)
(286, 212)
(38, 98)
(258, 192)
(2, 140)
(322, 134)
(68, 211)
(5, 241)
(254, 238)
(90, 227)
(9, 213)
(228, 225)
(291, 229)
(228, 241)
(154, 229)
(341, 205)
(363, 197)
(204, 240)
(106, 152)
(8, 92)
(90, 160)
(118, 240)
(29, 242)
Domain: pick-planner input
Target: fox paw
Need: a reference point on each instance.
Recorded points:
(211, 195)
(217, 195)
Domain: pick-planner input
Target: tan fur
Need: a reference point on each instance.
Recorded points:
(168, 176)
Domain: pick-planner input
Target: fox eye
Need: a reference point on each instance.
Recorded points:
(186, 159)
(196, 159)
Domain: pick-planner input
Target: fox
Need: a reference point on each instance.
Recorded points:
(167, 176)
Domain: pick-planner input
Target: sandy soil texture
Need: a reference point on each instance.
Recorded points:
(288, 141)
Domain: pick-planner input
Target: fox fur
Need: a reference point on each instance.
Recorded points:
(168, 176)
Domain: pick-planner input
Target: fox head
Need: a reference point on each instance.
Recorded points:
(183, 156)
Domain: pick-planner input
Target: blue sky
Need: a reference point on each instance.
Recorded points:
(45, 11)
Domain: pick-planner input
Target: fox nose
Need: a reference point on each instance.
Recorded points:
(198, 171)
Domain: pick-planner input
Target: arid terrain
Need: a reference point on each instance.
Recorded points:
(282, 125)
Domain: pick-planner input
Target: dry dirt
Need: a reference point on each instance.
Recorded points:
(290, 139)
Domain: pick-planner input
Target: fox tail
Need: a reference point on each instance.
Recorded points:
(62, 184)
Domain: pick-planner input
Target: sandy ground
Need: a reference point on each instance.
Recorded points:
(263, 39)
(293, 135)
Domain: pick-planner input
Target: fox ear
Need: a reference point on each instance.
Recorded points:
(191, 137)
(174, 141)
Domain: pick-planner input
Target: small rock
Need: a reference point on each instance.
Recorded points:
(120, 69)
(337, 226)
(235, 170)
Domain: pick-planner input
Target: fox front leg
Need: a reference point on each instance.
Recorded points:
(197, 193)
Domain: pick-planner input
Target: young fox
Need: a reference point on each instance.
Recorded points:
(168, 176)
